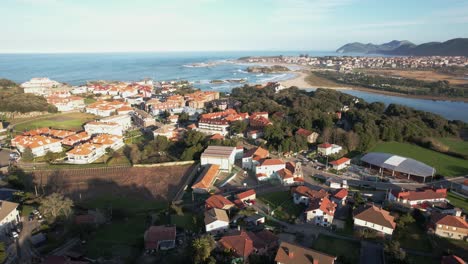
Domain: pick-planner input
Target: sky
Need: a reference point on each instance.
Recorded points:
(219, 25)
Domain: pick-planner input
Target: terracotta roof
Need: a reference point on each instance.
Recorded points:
(106, 139)
(257, 152)
(241, 244)
(324, 204)
(308, 192)
(426, 194)
(294, 254)
(272, 162)
(267, 237)
(216, 137)
(84, 149)
(376, 215)
(70, 140)
(452, 259)
(450, 220)
(341, 193)
(156, 234)
(246, 194)
(218, 201)
(325, 145)
(208, 176)
(339, 161)
(285, 174)
(304, 132)
(215, 214)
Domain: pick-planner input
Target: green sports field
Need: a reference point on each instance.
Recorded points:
(444, 164)
(68, 121)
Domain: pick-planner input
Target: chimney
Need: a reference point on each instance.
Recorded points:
(458, 212)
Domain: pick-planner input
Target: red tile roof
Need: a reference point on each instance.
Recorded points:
(294, 254)
(246, 194)
(450, 220)
(426, 194)
(324, 204)
(340, 161)
(156, 234)
(207, 177)
(218, 201)
(272, 162)
(241, 244)
(257, 152)
(341, 194)
(325, 145)
(304, 132)
(308, 192)
(376, 215)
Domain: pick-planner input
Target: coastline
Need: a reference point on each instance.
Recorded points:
(300, 82)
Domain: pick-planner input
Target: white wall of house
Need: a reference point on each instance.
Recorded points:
(9, 221)
(212, 129)
(93, 129)
(217, 226)
(124, 120)
(55, 147)
(300, 199)
(392, 198)
(269, 170)
(86, 159)
(318, 217)
(376, 227)
(225, 164)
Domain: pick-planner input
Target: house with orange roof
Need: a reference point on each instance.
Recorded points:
(124, 110)
(321, 212)
(294, 254)
(309, 135)
(68, 103)
(206, 179)
(218, 201)
(168, 131)
(38, 144)
(173, 119)
(291, 174)
(247, 195)
(328, 149)
(85, 153)
(268, 168)
(375, 218)
(450, 226)
(252, 157)
(213, 126)
(125, 120)
(341, 163)
(416, 197)
(304, 194)
(77, 138)
(339, 196)
(108, 141)
(105, 108)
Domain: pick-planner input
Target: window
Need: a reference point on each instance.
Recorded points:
(454, 228)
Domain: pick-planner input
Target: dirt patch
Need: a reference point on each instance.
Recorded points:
(159, 183)
(428, 76)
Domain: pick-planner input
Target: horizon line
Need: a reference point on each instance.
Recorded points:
(159, 51)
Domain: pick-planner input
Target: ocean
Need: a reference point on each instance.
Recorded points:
(78, 68)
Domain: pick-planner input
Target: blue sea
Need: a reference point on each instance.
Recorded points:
(77, 69)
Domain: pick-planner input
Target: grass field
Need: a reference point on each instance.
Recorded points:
(123, 237)
(444, 164)
(69, 121)
(458, 201)
(455, 145)
(283, 205)
(349, 250)
(429, 76)
(413, 237)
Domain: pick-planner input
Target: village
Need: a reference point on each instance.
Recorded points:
(255, 205)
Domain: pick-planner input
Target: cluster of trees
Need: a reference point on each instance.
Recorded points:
(160, 149)
(359, 129)
(13, 99)
(397, 85)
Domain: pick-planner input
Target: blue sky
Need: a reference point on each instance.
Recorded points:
(211, 25)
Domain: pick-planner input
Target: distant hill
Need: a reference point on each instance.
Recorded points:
(453, 47)
(370, 48)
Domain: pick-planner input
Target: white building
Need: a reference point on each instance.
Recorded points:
(219, 155)
(321, 212)
(9, 215)
(39, 86)
(39, 145)
(375, 218)
(109, 141)
(413, 198)
(124, 120)
(96, 127)
(65, 104)
(85, 153)
(328, 149)
(253, 157)
(340, 164)
(268, 168)
(216, 221)
(211, 127)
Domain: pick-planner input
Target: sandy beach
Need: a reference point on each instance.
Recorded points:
(300, 82)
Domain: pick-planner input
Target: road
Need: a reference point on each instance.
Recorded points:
(4, 157)
(24, 249)
(371, 253)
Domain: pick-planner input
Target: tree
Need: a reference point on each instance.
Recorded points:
(358, 199)
(404, 220)
(394, 252)
(49, 157)
(238, 127)
(202, 248)
(27, 155)
(184, 117)
(56, 205)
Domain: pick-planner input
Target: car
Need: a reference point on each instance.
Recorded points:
(14, 234)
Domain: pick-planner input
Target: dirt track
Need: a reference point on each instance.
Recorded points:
(160, 183)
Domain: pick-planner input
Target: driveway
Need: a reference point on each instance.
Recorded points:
(4, 157)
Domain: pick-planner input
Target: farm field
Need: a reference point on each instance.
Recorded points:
(68, 121)
(153, 183)
(444, 164)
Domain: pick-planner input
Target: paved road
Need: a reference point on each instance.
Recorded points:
(25, 250)
(4, 157)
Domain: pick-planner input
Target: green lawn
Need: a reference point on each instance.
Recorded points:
(444, 164)
(455, 145)
(458, 201)
(281, 203)
(413, 237)
(69, 121)
(88, 101)
(348, 250)
(187, 221)
(123, 237)
(26, 210)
